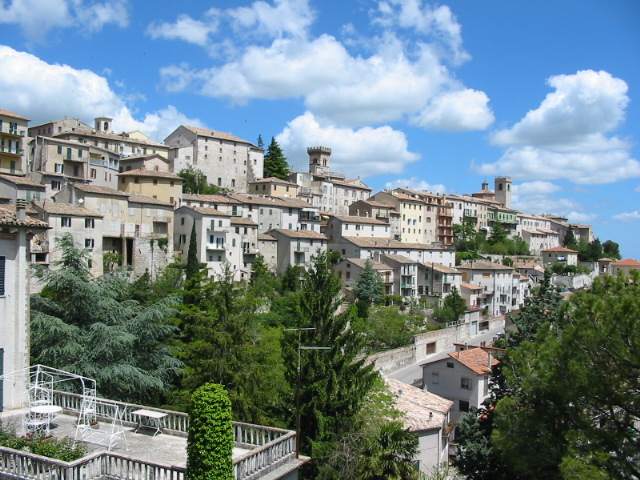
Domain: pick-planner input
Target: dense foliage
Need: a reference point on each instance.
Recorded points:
(368, 289)
(275, 163)
(563, 404)
(452, 308)
(99, 328)
(387, 327)
(471, 243)
(211, 438)
(66, 449)
(195, 181)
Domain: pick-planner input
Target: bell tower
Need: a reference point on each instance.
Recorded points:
(319, 160)
(503, 191)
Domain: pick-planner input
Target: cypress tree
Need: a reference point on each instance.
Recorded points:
(193, 265)
(368, 289)
(275, 163)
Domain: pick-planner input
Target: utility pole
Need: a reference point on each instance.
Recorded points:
(299, 378)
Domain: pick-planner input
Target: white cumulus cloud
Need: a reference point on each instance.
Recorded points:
(538, 197)
(361, 152)
(37, 17)
(44, 91)
(461, 110)
(186, 28)
(569, 134)
(631, 216)
(282, 18)
(415, 183)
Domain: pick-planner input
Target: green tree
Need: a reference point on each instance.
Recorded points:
(95, 327)
(453, 307)
(498, 233)
(211, 439)
(290, 281)
(368, 290)
(569, 240)
(611, 249)
(193, 264)
(337, 380)
(195, 181)
(275, 163)
(387, 327)
(260, 142)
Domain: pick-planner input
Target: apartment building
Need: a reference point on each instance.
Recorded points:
(228, 161)
(418, 219)
(536, 231)
(462, 377)
(164, 186)
(224, 203)
(84, 225)
(16, 228)
(559, 254)
(374, 248)
(154, 162)
(326, 190)
(56, 162)
(13, 187)
(582, 232)
(497, 285)
(347, 225)
(136, 229)
(297, 247)
(218, 245)
(278, 213)
(381, 211)
(438, 280)
(13, 133)
(101, 135)
(470, 209)
(427, 416)
(273, 187)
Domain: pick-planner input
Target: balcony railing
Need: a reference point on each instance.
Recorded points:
(269, 448)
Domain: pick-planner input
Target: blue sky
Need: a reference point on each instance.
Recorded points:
(407, 92)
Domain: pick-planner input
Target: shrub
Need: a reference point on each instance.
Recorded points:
(64, 449)
(211, 439)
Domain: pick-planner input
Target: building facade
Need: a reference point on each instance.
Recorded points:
(13, 138)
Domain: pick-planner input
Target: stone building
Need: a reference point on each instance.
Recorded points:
(268, 248)
(13, 133)
(228, 161)
(13, 187)
(100, 135)
(379, 210)
(326, 190)
(16, 229)
(278, 213)
(559, 254)
(297, 248)
(273, 187)
(348, 225)
(164, 186)
(497, 285)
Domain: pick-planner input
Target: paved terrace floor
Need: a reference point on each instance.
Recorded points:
(165, 449)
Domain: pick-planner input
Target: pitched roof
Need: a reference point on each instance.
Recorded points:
(351, 183)
(559, 250)
(357, 219)
(91, 188)
(475, 359)
(9, 113)
(243, 221)
(265, 237)
(22, 181)
(377, 204)
(370, 242)
(8, 218)
(470, 286)
(627, 262)
(266, 200)
(208, 211)
(400, 259)
(483, 265)
(148, 200)
(133, 158)
(422, 410)
(82, 132)
(361, 262)
(274, 180)
(205, 132)
(307, 234)
(439, 267)
(67, 209)
(143, 172)
(211, 198)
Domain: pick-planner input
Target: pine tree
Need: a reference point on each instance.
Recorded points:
(611, 249)
(569, 240)
(368, 289)
(337, 380)
(275, 163)
(193, 265)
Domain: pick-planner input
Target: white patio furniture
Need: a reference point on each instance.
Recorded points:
(153, 420)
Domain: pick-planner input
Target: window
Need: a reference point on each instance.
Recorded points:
(89, 223)
(3, 261)
(58, 168)
(431, 348)
(89, 243)
(465, 383)
(463, 406)
(435, 378)
(449, 364)
(55, 185)
(93, 173)
(65, 221)
(59, 149)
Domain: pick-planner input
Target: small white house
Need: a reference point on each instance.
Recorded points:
(427, 415)
(559, 255)
(462, 377)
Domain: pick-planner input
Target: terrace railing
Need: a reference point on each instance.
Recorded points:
(269, 447)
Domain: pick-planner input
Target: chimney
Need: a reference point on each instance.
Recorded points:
(21, 209)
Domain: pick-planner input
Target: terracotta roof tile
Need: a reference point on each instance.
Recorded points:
(308, 234)
(9, 113)
(476, 359)
(69, 209)
(143, 172)
(627, 262)
(148, 200)
(23, 181)
(205, 132)
(422, 410)
(8, 219)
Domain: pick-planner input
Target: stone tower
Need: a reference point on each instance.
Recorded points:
(102, 124)
(503, 191)
(319, 160)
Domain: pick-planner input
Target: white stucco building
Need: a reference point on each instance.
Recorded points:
(497, 285)
(297, 247)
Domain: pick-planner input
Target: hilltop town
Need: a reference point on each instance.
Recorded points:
(453, 270)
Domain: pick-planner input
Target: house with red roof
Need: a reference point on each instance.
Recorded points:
(625, 265)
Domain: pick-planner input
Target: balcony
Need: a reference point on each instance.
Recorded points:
(12, 151)
(259, 452)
